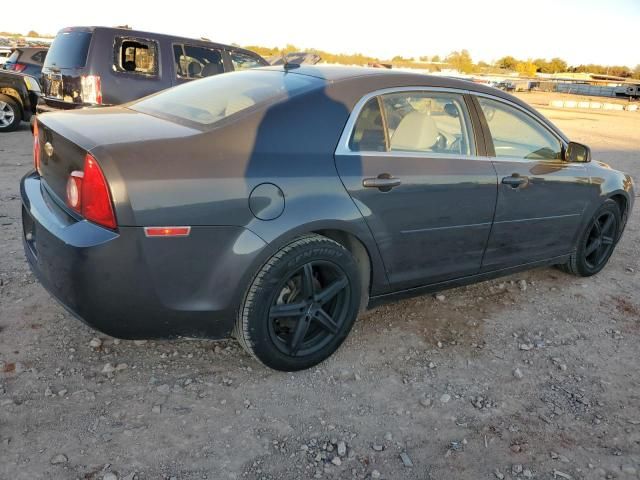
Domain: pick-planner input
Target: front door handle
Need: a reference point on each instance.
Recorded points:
(515, 181)
(384, 182)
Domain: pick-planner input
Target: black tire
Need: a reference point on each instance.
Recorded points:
(597, 242)
(283, 320)
(9, 107)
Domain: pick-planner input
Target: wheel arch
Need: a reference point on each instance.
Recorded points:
(354, 235)
(360, 252)
(623, 202)
(14, 95)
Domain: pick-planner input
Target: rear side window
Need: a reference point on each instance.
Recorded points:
(416, 122)
(242, 61)
(136, 55)
(369, 133)
(213, 99)
(69, 50)
(518, 135)
(197, 62)
(39, 56)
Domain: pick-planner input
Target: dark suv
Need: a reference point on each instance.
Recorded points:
(91, 66)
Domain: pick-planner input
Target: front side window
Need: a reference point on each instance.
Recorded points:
(197, 62)
(242, 61)
(517, 135)
(135, 55)
(416, 122)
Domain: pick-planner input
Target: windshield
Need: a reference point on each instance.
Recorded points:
(69, 50)
(211, 99)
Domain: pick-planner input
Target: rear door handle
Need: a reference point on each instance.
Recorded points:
(515, 181)
(384, 182)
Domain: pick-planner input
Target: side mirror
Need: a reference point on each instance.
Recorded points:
(577, 152)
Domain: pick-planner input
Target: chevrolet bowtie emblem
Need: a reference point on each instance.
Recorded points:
(48, 149)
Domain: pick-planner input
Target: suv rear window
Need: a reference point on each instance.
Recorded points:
(213, 99)
(69, 50)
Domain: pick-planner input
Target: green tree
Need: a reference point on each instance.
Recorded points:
(527, 68)
(461, 61)
(289, 48)
(508, 63)
(557, 65)
(542, 65)
(33, 33)
(436, 59)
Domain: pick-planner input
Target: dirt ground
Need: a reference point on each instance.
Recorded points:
(531, 376)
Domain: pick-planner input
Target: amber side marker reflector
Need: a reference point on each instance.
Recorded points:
(167, 231)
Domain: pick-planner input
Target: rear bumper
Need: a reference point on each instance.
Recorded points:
(52, 105)
(48, 104)
(130, 286)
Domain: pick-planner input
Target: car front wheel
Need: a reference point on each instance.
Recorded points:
(10, 115)
(597, 242)
(301, 305)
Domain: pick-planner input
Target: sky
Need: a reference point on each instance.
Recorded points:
(579, 31)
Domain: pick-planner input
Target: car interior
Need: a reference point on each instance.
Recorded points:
(415, 123)
(517, 136)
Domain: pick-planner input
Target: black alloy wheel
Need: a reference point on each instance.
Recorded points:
(597, 242)
(601, 239)
(301, 304)
(309, 308)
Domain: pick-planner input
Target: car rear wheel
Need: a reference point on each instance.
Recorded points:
(10, 114)
(301, 305)
(597, 242)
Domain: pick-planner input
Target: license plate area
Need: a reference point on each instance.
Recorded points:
(55, 85)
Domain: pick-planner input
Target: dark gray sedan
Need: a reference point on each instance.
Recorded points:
(275, 204)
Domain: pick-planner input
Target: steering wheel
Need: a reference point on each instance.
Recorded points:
(441, 143)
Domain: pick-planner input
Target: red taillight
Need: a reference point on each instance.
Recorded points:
(91, 89)
(36, 147)
(18, 67)
(88, 194)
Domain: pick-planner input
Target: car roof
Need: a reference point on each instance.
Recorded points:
(141, 33)
(395, 78)
(366, 76)
(367, 79)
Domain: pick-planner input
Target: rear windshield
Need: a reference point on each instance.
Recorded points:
(212, 99)
(69, 50)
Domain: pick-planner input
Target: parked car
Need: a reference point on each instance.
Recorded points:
(4, 54)
(273, 204)
(100, 66)
(18, 99)
(27, 60)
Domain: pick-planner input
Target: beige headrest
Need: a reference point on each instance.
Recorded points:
(415, 132)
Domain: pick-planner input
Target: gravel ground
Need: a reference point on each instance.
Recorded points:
(530, 376)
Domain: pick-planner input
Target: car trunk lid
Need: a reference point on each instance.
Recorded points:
(66, 137)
